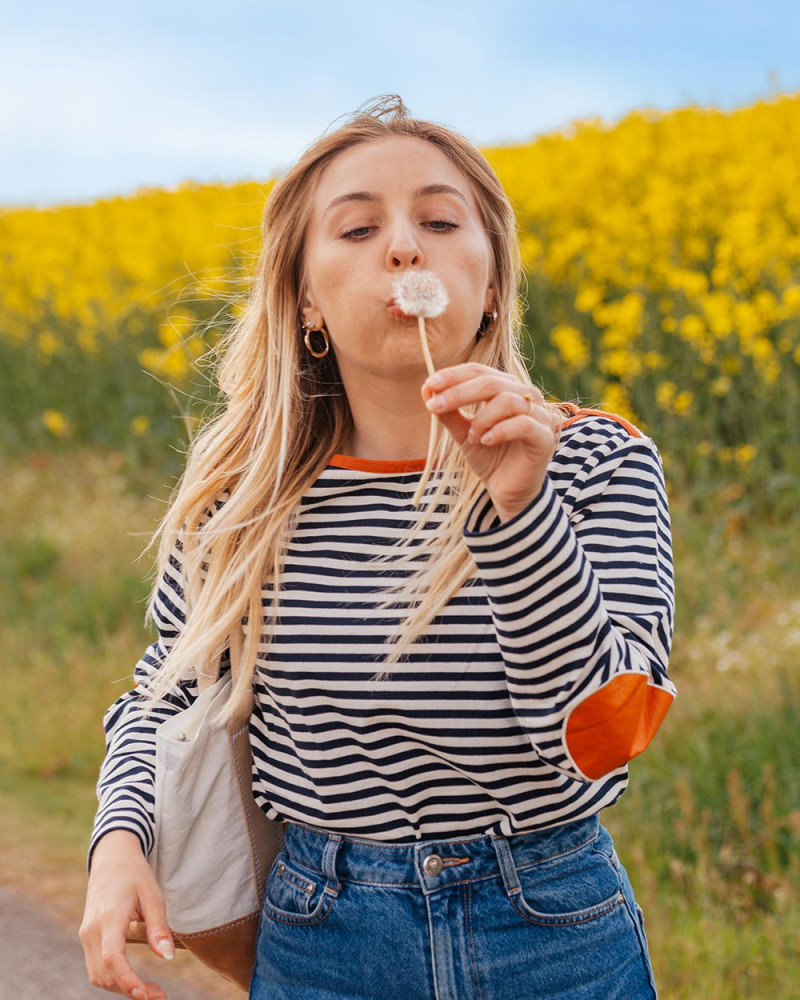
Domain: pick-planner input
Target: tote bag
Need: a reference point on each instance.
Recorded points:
(213, 845)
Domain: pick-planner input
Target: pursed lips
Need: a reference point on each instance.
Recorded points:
(395, 310)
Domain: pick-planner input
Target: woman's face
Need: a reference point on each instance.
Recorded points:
(378, 209)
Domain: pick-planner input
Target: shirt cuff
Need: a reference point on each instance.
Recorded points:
(483, 520)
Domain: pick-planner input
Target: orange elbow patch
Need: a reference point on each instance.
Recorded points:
(615, 724)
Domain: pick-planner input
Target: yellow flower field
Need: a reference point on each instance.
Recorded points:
(663, 281)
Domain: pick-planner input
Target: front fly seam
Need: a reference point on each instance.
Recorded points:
(471, 939)
(432, 943)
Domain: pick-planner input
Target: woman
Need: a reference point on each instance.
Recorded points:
(446, 697)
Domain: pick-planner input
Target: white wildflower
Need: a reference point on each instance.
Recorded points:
(420, 293)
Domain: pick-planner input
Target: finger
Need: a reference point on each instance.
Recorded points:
(455, 423)
(538, 436)
(116, 971)
(159, 936)
(154, 992)
(466, 393)
(444, 377)
(534, 396)
(98, 971)
(503, 406)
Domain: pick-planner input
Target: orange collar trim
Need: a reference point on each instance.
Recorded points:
(377, 465)
(578, 413)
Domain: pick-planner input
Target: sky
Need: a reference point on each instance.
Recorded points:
(102, 98)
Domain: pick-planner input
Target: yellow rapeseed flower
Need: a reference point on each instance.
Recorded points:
(623, 364)
(175, 329)
(571, 346)
(48, 344)
(588, 297)
(744, 454)
(665, 393)
(168, 363)
(682, 403)
(140, 425)
(616, 400)
(654, 359)
(790, 300)
(56, 423)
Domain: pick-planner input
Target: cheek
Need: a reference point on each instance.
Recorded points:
(332, 282)
(474, 265)
(471, 286)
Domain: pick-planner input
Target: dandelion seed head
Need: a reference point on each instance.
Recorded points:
(420, 293)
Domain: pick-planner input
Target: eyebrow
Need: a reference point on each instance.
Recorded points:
(368, 196)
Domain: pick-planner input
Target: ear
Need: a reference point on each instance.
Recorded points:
(310, 314)
(489, 300)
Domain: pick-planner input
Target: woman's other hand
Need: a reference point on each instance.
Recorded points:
(122, 888)
(510, 439)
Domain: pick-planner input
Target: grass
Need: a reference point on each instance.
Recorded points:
(709, 829)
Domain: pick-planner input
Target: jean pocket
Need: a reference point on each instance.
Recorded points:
(295, 895)
(573, 889)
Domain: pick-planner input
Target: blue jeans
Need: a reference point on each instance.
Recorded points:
(539, 916)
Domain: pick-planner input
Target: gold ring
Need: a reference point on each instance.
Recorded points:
(531, 401)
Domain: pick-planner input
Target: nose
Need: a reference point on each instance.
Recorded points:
(403, 249)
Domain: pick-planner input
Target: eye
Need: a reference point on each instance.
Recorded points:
(357, 233)
(442, 225)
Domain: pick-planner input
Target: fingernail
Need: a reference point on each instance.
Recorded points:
(435, 403)
(488, 437)
(166, 949)
(434, 381)
(138, 995)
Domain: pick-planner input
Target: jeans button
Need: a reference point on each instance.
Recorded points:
(432, 865)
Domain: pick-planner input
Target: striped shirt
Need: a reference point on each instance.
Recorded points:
(519, 706)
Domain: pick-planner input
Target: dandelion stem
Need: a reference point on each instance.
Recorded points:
(423, 337)
(426, 473)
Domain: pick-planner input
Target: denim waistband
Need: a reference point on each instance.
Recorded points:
(430, 863)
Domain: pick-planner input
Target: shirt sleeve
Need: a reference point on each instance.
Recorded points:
(581, 592)
(125, 788)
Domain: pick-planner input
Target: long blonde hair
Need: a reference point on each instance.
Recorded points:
(287, 413)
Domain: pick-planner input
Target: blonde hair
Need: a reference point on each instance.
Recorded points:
(287, 413)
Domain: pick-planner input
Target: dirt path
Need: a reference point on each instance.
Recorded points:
(41, 959)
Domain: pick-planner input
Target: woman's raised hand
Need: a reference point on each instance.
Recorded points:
(122, 888)
(510, 439)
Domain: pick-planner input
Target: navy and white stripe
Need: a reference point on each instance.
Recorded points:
(467, 734)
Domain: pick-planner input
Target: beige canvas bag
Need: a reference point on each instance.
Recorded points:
(213, 845)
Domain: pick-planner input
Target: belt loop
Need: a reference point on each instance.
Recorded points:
(505, 859)
(329, 863)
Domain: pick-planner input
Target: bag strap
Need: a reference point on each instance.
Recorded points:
(206, 679)
(266, 836)
(244, 706)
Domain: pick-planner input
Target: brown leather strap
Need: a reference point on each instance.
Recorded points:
(245, 700)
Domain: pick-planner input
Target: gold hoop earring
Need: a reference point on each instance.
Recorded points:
(307, 341)
(487, 323)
